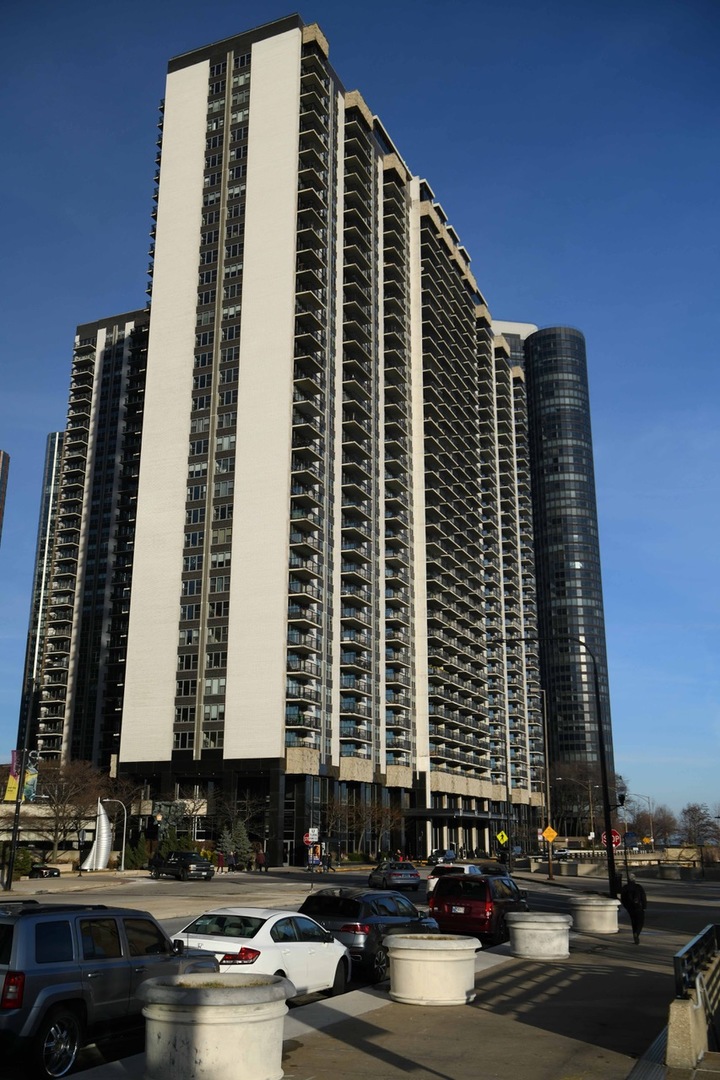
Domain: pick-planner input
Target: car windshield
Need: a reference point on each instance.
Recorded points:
(320, 905)
(400, 866)
(209, 925)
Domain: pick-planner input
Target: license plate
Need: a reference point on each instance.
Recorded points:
(458, 910)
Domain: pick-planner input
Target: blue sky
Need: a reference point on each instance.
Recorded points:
(575, 149)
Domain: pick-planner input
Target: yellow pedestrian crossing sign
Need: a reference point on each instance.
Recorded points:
(502, 836)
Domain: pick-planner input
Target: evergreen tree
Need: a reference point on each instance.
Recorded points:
(137, 858)
(169, 842)
(240, 844)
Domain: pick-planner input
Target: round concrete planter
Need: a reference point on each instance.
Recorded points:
(595, 914)
(214, 1027)
(539, 936)
(432, 969)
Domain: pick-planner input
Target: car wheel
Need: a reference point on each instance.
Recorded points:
(58, 1043)
(155, 874)
(384, 883)
(339, 985)
(184, 876)
(501, 931)
(380, 966)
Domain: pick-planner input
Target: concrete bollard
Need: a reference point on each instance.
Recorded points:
(432, 969)
(539, 936)
(595, 914)
(214, 1027)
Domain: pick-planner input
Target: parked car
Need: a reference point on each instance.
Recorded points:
(441, 855)
(459, 868)
(394, 875)
(183, 865)
(66, 968)
(40, 870)
(476, 904)
(272, 942)
(360, 919)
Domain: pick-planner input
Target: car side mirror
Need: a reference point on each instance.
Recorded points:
(328, 937)
(178, 947)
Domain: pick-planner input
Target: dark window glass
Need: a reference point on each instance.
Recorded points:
(100, 939)
(6, 937)
(53, 942)
(145, 938)
(308, 930)
(284, 930)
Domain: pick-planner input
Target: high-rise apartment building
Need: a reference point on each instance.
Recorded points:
(74, 671)
(567, 551)
(310, 579)
(39, 608)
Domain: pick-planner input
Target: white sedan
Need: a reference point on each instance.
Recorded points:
(272, 942)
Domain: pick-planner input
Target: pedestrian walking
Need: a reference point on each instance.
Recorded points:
(221, 863)
(634, 899)
(260, 861)
(231, 861)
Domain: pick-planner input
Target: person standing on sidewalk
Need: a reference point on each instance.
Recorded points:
(634, 899)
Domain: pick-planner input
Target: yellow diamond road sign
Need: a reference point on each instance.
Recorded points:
(502, 836)
(549, 834)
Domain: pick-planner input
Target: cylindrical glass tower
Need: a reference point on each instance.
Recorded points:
(567, 551)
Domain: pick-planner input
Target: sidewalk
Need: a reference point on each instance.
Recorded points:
(589, 1017)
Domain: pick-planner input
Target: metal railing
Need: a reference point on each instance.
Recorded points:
(695, 958)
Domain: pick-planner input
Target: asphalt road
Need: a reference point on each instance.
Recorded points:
(681, 907)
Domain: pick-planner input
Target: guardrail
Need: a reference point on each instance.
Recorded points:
(694, 959)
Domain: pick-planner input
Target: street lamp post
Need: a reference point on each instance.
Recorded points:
(635, 795)
(589, 785)
(548, 799)
(122, 857)
(602, 749)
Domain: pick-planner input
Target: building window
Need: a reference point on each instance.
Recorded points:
(214, 687)
(186, 687)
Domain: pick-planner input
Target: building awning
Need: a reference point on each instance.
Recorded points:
(433, 813)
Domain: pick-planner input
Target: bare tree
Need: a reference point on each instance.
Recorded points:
(68, 795)
(697, 825)
(665, 825)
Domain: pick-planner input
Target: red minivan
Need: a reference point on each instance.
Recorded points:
(471, 904)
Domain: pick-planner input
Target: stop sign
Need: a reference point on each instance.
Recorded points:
(614, 837)
(306, 839)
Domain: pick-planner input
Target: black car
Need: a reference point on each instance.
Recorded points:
(40, 870)
(182, 865)
(360, 919)
(441, 855)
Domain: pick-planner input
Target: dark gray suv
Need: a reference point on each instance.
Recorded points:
(360, 919)
(66, 968)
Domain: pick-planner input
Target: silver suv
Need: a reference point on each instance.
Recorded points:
(65, 968)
